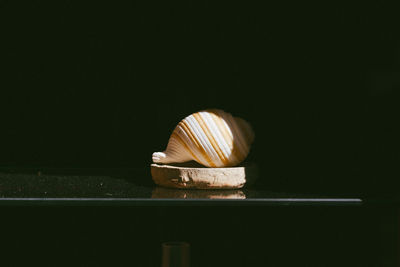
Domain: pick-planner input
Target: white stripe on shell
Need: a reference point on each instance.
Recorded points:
(192, 145)
(215, 131)
(204, 141)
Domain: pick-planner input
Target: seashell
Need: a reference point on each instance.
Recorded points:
(213, 138)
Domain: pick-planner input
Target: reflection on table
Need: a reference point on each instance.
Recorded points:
(162, 192)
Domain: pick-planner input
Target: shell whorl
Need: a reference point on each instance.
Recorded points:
(213, 138)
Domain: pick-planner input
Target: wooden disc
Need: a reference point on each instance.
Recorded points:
(199, 177)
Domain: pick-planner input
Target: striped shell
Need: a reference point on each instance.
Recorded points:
(213, 138)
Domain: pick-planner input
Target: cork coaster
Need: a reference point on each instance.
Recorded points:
(192, 175)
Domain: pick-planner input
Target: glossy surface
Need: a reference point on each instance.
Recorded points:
(122, 188)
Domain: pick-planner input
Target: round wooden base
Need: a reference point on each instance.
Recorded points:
(199, 177)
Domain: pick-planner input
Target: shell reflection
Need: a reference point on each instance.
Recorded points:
(161, 192)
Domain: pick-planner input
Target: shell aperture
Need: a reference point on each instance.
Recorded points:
(212, 137)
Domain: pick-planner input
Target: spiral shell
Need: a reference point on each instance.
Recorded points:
(212, 137)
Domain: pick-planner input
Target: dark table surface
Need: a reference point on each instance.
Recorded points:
(119, 187)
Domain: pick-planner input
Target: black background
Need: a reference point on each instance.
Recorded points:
(103, 84)
(231, 236)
